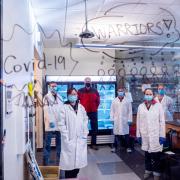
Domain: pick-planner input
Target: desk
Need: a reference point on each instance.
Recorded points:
(174, 125)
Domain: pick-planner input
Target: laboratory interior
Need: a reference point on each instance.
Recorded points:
(90, 90)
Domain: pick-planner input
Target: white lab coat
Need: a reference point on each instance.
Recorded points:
(121, 113)
(167, 104)
(51, 111)
(150, 126)
(74, 131)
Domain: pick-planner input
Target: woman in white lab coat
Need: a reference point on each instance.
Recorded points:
(74, 130)
(150, 132)
(166, 101)
(121, 114)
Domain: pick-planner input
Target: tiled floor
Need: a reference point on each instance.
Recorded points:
(104, 165)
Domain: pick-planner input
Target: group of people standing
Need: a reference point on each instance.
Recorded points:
(152, 114)
(68, 122)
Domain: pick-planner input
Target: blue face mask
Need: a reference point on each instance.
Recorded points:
(148, 97)
(161, 91)
(121, 94)
(72, 98)
(54, 89)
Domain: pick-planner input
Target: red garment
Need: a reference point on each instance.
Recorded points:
(151, 102)
(132, 131)
(89, 98)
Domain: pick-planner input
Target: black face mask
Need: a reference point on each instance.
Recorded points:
(88, 85)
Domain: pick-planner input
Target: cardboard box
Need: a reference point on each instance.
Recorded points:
(50, 172)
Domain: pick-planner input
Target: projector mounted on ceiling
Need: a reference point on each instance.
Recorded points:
(86, 33)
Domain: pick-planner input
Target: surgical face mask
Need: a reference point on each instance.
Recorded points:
(121, 94)
(88, 85)
(54, 89)
(161, 91)
(148, 97)
(72, 98)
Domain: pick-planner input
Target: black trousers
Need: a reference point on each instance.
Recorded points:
(94, 126)
(71, 173)
(122, 140)
(152, 161)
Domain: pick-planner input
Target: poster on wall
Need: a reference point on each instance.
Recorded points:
(32, 164)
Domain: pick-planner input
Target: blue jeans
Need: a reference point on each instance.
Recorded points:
(47, 146)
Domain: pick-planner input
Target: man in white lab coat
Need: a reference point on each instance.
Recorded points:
(166, 101)
(52, 105)
(121, 114)
(150, 132)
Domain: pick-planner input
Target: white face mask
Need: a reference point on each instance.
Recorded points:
(121, 94)
(53, 89)
(148, 97)
(72, 98)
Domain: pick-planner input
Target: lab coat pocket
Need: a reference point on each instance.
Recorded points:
(83, 145)
(69, 145)
(83, 151)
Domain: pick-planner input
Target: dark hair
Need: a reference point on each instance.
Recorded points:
(69, 91)
(52, 82)
(148, 89)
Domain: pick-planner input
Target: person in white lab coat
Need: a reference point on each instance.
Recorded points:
(150, 132)
(121, 114)
(74, 131)
(52, 105)
(166, 101)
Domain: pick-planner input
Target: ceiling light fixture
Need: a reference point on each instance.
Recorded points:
(86, 33)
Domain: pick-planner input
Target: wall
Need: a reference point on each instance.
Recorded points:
(67, 61)
(18, 51)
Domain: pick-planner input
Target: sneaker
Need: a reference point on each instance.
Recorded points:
(128, 150)
(113, 150)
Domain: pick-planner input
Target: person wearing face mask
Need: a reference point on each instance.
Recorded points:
(166, 101)
(52, 104)
(74, 131)
(121, 115)
(90, 99)
(150, 132)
